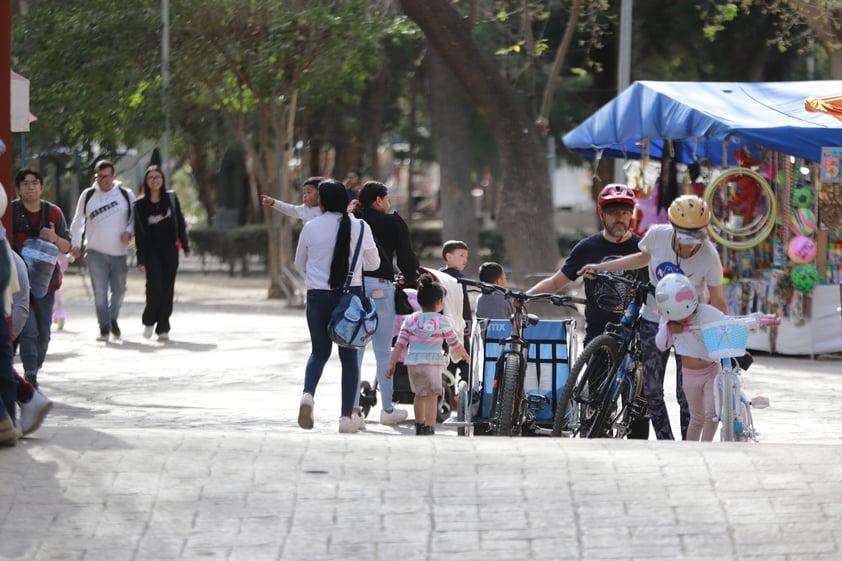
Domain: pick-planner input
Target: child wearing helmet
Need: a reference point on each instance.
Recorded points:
(682, 246)
(679, 307)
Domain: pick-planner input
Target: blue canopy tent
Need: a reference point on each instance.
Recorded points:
(709, 119)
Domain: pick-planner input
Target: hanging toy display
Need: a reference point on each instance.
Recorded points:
(746, 187)
(642, 187)
(801, 250)
(739, 219)
(802, 197)
(804, 278)
(802, 222)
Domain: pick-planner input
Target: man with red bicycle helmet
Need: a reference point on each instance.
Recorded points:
(615, 206)
(682, 246)
(616, 193)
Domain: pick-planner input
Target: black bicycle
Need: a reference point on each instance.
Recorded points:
(603, 395)
(510, 403)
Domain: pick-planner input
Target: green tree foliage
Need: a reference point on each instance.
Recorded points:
(93, 70)
(250, 61)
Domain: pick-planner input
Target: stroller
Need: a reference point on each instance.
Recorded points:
(402, 392)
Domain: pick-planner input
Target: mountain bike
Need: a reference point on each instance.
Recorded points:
(511, 405)
(603, 395)
(726, 340)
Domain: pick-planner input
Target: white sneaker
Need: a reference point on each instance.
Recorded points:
(359, 420)
(147, 331)
(394, 417)
(346, 424)
(164, 336)
(102, 337)
(305, 412)
(32, 412)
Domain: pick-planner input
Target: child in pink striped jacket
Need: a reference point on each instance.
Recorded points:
(419, 343)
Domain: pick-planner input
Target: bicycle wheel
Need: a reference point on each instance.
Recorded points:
(726, 416)
(606, 406)
(619, 418)
(510, 397)
(445, 401)
(576, 407)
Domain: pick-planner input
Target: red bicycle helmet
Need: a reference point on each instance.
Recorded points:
(616, 193)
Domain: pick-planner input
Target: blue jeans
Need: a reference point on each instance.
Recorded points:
(382, 340)
(320, 305)
(8, 382)
(35, 337)
(108, 272)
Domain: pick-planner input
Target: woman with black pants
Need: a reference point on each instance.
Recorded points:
(159, 227)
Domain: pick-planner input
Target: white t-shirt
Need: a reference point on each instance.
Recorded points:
(315, 250)
(703, 269)
(103, 219)
(689, 343)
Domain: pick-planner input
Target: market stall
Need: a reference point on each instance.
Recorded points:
(765, 164)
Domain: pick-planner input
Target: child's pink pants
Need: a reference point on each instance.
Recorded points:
(698, 389)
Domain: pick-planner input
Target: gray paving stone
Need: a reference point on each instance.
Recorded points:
(190, 450)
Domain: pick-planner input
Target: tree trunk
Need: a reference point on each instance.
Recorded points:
(526, 218)
(196, 155)
(377, 101)
(452, 148)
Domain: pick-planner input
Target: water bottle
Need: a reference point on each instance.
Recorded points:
(40, 257)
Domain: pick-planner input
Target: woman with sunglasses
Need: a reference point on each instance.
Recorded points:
(683, 247)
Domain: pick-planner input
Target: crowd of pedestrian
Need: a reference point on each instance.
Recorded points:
(107, 217)
(336, 216)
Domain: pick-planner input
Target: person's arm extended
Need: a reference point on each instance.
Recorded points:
(629, 262)
(550, 285)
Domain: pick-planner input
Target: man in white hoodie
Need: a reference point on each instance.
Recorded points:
(104, 217)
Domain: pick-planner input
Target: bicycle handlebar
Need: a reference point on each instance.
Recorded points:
(753, 320)
(522, 297)
(617, 277)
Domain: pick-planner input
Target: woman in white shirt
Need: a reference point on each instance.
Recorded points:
(324, 253)
(682, 246)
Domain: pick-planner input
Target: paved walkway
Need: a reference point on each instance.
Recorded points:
(189, 450)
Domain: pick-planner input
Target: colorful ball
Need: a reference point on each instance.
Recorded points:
(804, 278)
(801, 249)
(802, 196)
(802, 222)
